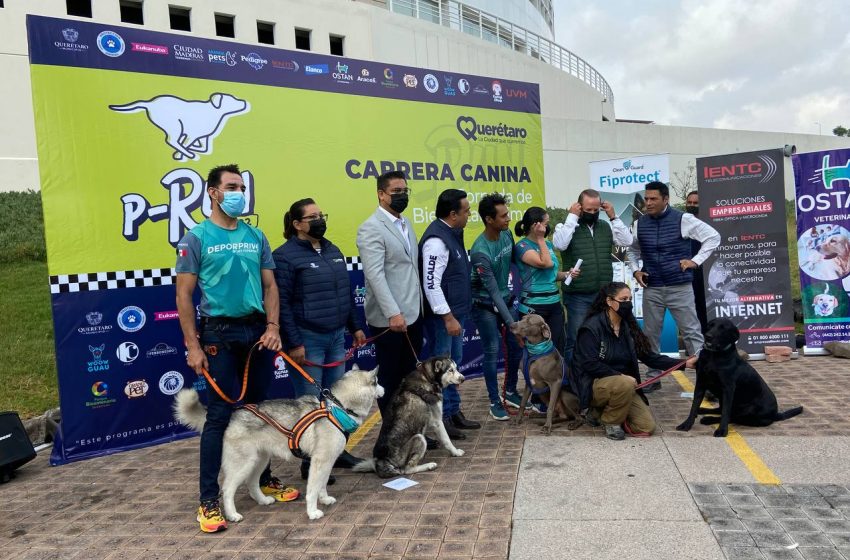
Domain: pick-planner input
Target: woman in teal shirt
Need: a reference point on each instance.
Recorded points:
(540, 273)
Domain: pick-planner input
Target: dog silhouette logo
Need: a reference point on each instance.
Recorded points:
(189, 126)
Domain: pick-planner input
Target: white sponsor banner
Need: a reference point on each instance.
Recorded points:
(630, 174)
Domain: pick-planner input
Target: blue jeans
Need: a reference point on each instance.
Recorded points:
(577, 307)
(226, 346)
(320, 348)
(489, 326)
(439, 343)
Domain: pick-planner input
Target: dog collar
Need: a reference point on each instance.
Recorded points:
(539, 348)
(727, 347)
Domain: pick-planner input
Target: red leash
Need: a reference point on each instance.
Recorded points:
(348, 354)
(662, 374)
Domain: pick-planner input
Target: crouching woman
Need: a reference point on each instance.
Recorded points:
(605, 364)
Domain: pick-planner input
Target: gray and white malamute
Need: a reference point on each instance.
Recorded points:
(249, 442)
(416, 405)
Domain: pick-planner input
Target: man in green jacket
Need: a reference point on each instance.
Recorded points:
(584, 236)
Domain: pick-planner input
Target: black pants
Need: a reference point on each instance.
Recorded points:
(394, 357)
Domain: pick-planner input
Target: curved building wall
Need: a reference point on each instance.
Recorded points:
(370, 32)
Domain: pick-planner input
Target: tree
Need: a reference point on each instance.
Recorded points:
(840, 131)
(683, 183)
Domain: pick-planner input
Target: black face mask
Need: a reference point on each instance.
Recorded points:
(625, 309)
(692, 210)
(589, 218)
(318, 227)
(399, 202)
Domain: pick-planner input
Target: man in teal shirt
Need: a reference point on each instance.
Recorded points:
(232, 264)
(492, 305)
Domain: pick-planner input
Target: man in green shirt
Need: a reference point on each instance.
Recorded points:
(232, 264)
(492, 304)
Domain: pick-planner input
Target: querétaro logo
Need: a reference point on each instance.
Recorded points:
(110, 43)
(70, 43)
(131, 318)
(471, 130)
(171, 382)
(190, 126)
(94, 319)
(255, 61)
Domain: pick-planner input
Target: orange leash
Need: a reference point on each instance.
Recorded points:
(218, 390)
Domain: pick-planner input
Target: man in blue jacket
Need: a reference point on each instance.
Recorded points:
(662, 239)
(445, 272)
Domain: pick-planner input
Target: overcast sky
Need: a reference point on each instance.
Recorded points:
(778, 65)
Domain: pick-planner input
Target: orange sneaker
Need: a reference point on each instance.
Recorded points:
(278, 491)
(210, 518)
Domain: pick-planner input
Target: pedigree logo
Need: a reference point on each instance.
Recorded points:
(763, 170)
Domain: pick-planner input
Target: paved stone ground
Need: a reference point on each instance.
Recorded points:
(141, 504)
(756, 521)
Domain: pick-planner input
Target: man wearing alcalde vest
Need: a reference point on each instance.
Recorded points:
(583, 236)
(662, 238)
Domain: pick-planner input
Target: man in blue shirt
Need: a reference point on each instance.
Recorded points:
(232, 264)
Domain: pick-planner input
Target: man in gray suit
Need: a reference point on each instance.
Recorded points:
(390, 257)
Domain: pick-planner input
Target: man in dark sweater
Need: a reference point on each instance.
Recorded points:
(584, 236)
(445, 272)
(662, 240)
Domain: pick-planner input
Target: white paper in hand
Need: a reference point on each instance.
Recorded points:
(568, 280)
(400, 483)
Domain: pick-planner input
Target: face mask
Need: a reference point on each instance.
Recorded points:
(692, 210)
(625, 309)
(233, 204)
(348, 424)
(318, 227)
(399, 202)
(589, 218)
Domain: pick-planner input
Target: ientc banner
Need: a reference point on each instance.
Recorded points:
(128, 124)
(742, 196)
(823, 244)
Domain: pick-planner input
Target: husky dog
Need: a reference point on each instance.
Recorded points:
(416, 405)
(249, 442)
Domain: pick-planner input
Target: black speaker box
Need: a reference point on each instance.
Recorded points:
(15, 446)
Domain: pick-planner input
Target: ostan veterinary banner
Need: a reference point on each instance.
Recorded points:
(823, 244)
(129, 122)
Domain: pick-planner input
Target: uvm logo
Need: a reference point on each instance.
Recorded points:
(471, 130)
(832, 174)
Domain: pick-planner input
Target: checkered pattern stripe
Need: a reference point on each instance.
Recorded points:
(92, 281)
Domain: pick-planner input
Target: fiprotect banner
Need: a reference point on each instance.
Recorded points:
(622, 181)
(128, 124)
(747, 278)
(823, 244)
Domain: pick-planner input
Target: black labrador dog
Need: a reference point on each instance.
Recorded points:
(744, 396)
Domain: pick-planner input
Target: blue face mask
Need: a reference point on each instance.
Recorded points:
(233, 203)
(349, 424)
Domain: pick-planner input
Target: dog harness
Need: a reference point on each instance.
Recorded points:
(294, 435)
(533, 352)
